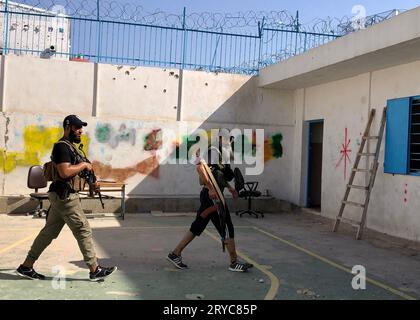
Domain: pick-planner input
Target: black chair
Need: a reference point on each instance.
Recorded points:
(247, 190)
(36, 180)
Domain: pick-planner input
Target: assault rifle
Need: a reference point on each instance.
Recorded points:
(90, 177)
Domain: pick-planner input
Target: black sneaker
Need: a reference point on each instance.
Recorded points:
(177, 261)
(101, 273)
(29, 273)
(240, 266)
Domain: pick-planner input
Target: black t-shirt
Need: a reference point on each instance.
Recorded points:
(62, 153)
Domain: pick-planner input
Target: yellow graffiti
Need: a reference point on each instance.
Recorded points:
(38, 142)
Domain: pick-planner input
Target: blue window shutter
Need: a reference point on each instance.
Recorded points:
(397, 136)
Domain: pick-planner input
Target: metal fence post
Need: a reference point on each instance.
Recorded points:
(261, 36)
(184, 36)
(98, 53)
(6, 27)
(213, 60)
(297, 30)
(181, 71)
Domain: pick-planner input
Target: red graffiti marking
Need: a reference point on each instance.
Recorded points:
(153, 140)
(345, 151)
(406, 193)
(148, 167)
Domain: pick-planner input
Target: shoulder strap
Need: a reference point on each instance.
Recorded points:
(72, 147)
(65, 142)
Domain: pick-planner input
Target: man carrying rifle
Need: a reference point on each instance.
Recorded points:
(66, 206)
(208, 209)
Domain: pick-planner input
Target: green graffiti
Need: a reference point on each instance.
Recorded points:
(103, 133)
(277, 148)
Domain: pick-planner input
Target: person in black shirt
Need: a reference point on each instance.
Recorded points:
(65, 205)
(208, 209)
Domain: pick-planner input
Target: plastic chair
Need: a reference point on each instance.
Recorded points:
(36, 180)
(248, 191)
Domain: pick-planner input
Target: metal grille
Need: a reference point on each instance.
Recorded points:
(414, 157)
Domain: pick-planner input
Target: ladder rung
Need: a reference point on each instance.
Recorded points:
(362, 170)
(367, 154)
(350, 221)
(371, 137)
(357, 187)
(351, 203)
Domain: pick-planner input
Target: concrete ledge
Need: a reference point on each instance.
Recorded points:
(22, 205)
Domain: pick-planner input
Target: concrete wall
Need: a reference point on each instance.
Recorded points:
(137, 93)
(126, 107)
(47, 86)
(345, 105)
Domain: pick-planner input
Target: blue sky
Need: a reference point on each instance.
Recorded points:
(309, 10)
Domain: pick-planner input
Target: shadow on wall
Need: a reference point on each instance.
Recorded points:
(245, 109)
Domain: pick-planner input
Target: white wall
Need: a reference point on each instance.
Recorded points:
(136, 93)
(389, 212)
(341, 104)
(122, 109)
(47, 86)
(346, 104)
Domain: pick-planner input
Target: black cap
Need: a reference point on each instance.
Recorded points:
(73, 120)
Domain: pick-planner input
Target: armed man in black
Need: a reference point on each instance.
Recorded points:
(65, 205)
(208, 209)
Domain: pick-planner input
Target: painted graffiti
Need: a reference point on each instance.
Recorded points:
(153, 140)
(273, 148)
(38, 142)
(148, 167)
(105, 133)
(345, 152)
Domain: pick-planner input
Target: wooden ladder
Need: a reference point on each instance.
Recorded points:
(372, 171)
